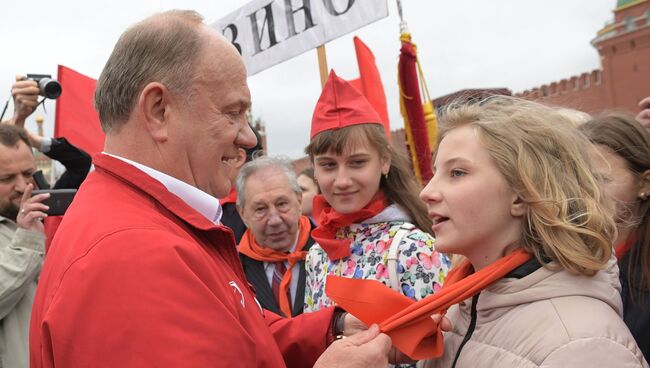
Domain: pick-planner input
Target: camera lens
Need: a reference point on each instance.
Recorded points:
(49, 88)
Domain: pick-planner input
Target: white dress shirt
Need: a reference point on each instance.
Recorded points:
(201, 201)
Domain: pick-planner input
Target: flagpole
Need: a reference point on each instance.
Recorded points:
(322, 64)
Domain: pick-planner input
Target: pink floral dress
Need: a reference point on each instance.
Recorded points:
(420, 269)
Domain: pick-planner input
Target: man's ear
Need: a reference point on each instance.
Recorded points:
(154, 105)
(518, 207)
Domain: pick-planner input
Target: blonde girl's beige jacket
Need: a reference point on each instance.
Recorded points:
(542, 318)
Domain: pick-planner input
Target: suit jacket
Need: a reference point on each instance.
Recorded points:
(256, 275)
(76, 162)
(231, 219)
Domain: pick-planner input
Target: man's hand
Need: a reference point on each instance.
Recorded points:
(25, 93)
(353, 325)
(644, 115)
(365, 349)
(31, 210)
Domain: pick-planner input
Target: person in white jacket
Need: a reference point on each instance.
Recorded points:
(513, 175)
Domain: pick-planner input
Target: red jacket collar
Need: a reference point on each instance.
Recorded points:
(139, 180)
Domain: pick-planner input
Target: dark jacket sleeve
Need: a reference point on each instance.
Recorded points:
(76, 162)
(231, 219)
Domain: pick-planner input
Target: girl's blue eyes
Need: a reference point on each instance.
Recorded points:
(456, 173)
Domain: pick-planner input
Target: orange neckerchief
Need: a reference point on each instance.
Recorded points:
(329, 221)
(249, 247)
(408, 323)
(621, 249)
(230, 198)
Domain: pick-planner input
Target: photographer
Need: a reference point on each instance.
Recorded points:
(77, 163)
(21, 244)
(22, 238)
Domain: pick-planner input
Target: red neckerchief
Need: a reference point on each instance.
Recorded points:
(230, 198)
(409, 323)
(621, 249)
(249, 247)
(329, 221)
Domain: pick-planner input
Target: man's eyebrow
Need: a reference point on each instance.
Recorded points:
(245, 104)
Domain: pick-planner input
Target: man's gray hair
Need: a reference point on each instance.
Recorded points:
(163, 48)
(281, 164)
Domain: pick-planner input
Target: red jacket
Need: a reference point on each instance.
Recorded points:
(135, 277)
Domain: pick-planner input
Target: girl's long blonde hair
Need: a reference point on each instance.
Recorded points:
(545, 161)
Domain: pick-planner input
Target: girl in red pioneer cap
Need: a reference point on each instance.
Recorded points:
(371, 223)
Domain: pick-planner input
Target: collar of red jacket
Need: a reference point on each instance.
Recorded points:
(141, 181)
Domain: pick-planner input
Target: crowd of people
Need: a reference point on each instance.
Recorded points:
(185, 246)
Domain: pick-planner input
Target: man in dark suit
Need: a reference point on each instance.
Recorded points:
(274, 247)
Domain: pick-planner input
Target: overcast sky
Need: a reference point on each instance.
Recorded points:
(517, 44)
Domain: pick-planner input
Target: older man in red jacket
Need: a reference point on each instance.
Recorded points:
(141, 273)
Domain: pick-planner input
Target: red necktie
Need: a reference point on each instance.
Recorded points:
(278, 274)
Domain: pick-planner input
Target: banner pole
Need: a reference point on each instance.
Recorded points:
(322, 64)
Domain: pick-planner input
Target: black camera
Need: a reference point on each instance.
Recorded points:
(48, 87)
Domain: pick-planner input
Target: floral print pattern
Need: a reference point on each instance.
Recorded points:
(421, 270)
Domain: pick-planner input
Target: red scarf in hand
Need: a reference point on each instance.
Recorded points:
(329, 221)
(409, 323)
(249, 247)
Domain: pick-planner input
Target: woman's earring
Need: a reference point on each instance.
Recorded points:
(386, 176)
(643, 196)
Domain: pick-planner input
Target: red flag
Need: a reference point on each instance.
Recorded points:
(369, 82)
(76, 118)
(414, 112)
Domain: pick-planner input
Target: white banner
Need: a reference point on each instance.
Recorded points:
(268, 32)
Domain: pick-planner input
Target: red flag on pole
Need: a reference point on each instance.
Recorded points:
(76, 118)
(413, 111)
